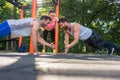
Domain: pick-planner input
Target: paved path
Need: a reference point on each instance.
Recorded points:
(22, 66)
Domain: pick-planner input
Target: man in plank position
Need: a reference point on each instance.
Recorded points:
(26, 27)
(87, 35)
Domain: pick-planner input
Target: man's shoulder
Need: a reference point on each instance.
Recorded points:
(26, 19)
(34, 21)
(75, 25)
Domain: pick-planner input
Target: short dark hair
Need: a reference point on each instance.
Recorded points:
(45, 17)
(62, 20)
(51, 11)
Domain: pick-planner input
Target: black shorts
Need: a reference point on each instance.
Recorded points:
(95, 41)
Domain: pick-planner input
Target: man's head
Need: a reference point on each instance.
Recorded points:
(51, 14)
(44, 20)
(63, 22)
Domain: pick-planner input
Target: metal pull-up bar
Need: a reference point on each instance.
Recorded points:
(55, 2)
(21, 16)
(15, 3)
(34, 8)
(57, 27)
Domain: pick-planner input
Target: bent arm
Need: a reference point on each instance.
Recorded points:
(42, 41)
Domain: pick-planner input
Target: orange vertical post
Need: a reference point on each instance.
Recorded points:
(34, 7)
(21, 16)
(56, 29)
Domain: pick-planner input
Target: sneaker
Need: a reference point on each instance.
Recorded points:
(110, 52)
(54, 51)
(43, 50)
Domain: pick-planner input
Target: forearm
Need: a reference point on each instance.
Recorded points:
(66, 43)
(34, 40)
(43, 42)
(35, 46)
(73, 43)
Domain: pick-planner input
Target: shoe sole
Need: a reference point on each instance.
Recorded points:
(112, 51)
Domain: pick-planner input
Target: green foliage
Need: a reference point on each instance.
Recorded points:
(46, 5)
(7, 11)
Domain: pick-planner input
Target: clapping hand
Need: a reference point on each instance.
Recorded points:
(52, 45)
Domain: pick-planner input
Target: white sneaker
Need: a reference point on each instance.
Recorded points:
(110, 52)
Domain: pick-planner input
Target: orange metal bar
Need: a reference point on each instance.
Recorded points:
(56, 29)
(34, 7)
(21, 16)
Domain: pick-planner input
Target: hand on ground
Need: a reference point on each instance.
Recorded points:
(65, 52)
(38, 53)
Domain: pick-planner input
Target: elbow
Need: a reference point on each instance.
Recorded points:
(39, 40)
(34, 31)
(64, 42)
(76, 41)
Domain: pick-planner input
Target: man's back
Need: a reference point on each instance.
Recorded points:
(20, 27)
(85, 32)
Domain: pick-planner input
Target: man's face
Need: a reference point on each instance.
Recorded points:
(63, 25)
(44, 22)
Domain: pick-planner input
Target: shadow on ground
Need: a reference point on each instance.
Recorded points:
(22, 69)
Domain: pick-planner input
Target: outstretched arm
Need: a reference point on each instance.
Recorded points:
(43, 42)
(35, 29)
(76, 30)
(66, 41)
